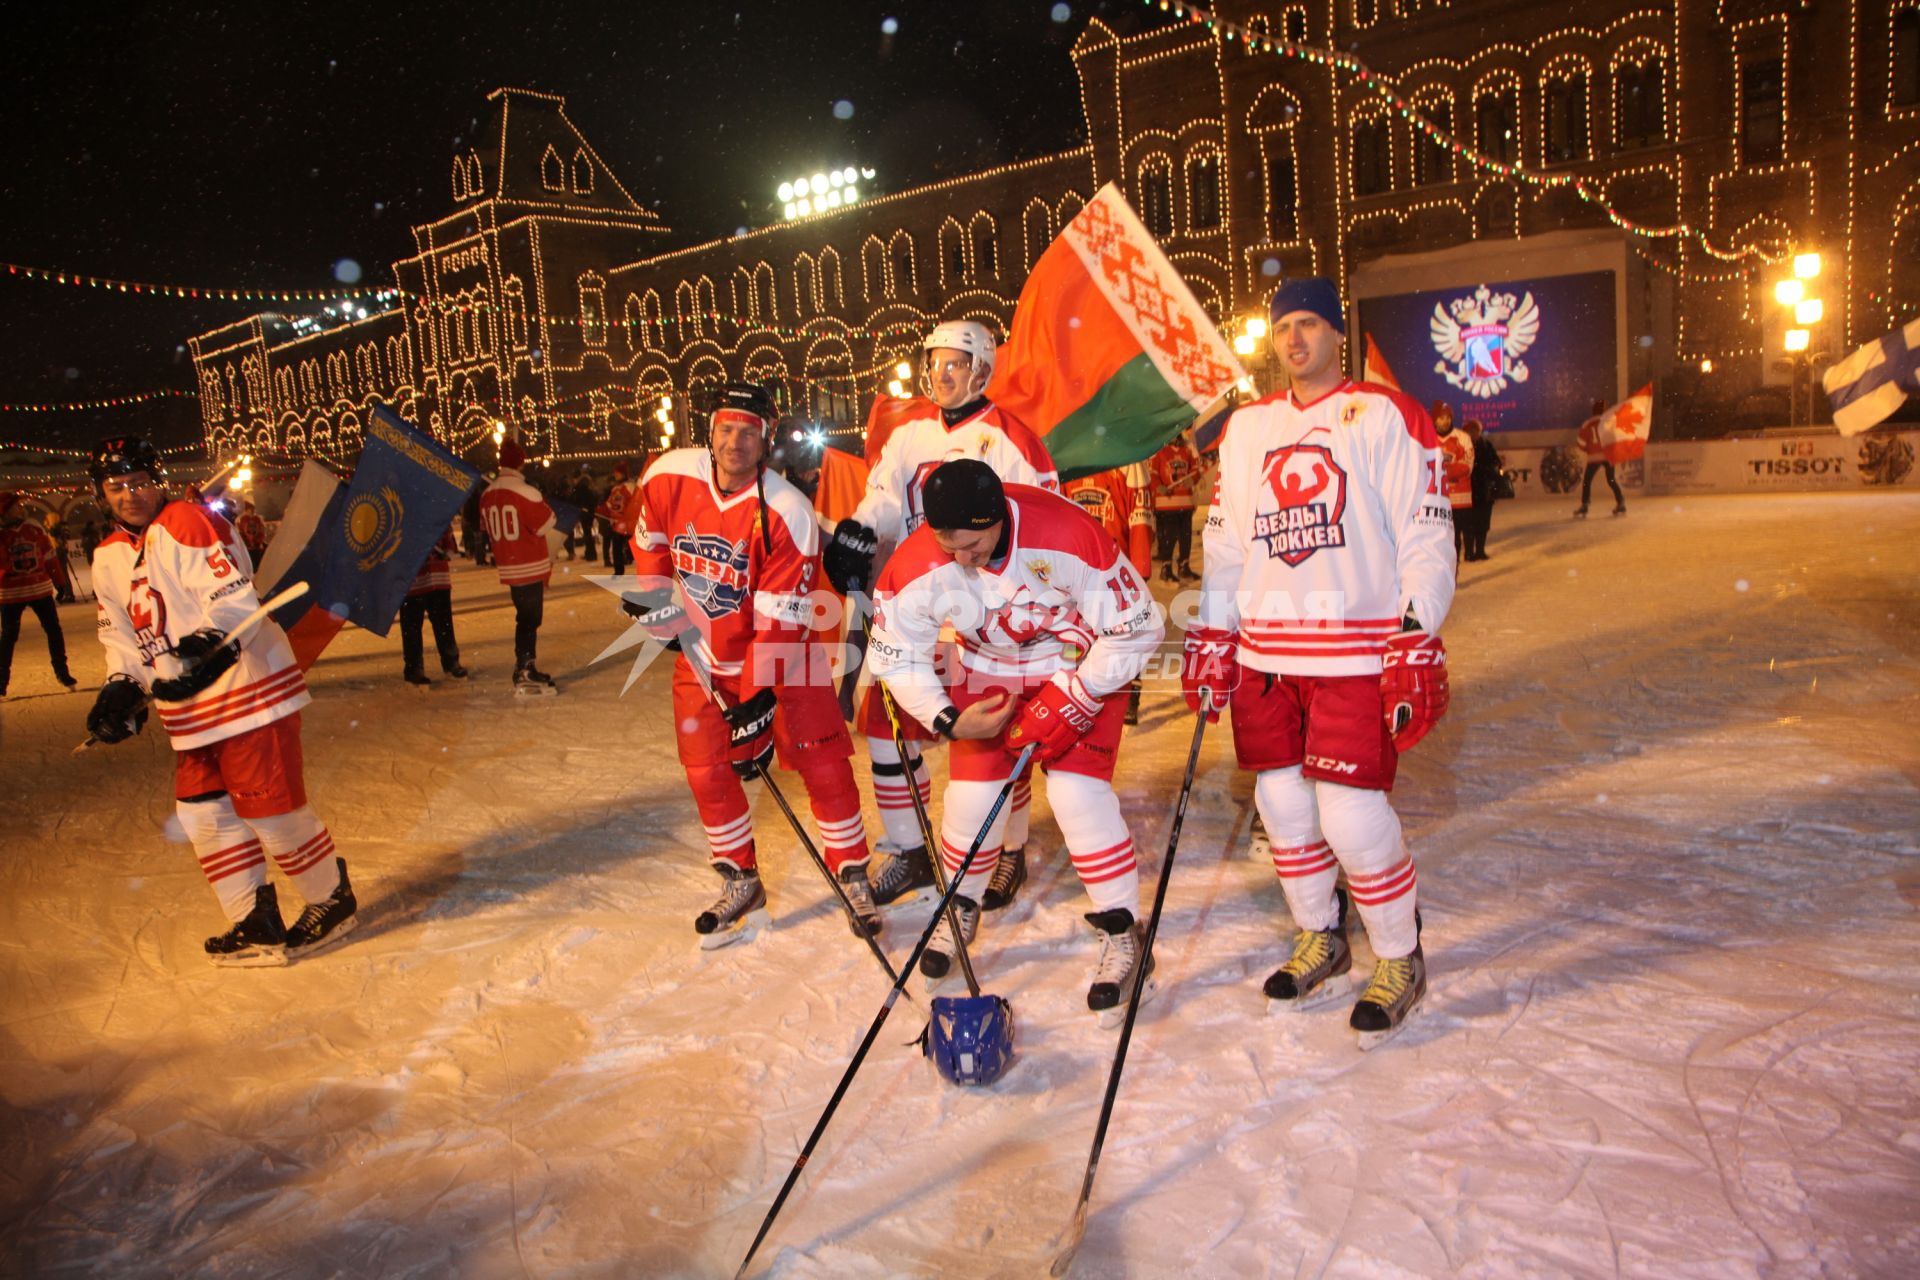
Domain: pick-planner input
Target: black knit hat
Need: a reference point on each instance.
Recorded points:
(964, 494)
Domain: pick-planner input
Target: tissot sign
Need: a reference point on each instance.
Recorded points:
(1514, 354)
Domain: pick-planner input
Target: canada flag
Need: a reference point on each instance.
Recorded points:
(1619, 432)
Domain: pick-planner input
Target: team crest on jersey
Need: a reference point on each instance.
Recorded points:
(713, 571)
(1349, 413)
(1311, 491)
(1040, 569)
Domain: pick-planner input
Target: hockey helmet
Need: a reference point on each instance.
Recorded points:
(747, 397)
(972, 1038)
(124, 455)
(969, 336)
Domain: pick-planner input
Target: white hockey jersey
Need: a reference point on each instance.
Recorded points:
(891, 507)
(1330, 522)
(1063, 599)
(185, 571)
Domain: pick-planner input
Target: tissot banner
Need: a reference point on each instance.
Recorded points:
(1513, 354)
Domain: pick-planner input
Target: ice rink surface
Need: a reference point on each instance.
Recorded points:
(1669, 852)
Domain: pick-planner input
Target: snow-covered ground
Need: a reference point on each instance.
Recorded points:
(1669, 841)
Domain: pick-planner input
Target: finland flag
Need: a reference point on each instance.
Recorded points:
(1870, 384)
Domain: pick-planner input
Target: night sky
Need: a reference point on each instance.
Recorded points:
(255, 145)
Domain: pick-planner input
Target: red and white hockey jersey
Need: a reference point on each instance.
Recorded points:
(517, 520)
(614, 506)
(1062, 599)
(1330, 522)
(1176, 470)
(750, 577)
(1112, 498)
(437, 573)
(1456, 452)
(891, 507)
(29, 564)
(185, 571)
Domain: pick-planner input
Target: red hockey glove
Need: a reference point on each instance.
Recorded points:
(1413, 686)
(750, 733)
(1207, 663)
(1054, 718)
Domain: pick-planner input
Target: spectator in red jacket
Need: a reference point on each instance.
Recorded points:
(29, 570)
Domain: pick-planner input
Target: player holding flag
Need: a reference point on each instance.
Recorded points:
(744, 548)
(1328, 573)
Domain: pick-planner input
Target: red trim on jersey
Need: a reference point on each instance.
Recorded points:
(192, 525)
(197, 717)
(1344, 384)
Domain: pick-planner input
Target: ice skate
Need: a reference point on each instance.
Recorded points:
(66, 679)
(457, 671)
(1390, 998)
(1122, 941)
(1315, 974)
(528, 682)
(257, 942)
(324, 923)
(414, 675)
(1008, 875)
(904, 878)
(936, 962)
(1580, 512)
(865, 921)
(1620, 510)
(738, 914)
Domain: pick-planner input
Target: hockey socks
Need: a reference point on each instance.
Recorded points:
(302, 848)
(230, 855)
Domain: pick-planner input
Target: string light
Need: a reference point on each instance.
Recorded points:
(79, 280)
(115, 402)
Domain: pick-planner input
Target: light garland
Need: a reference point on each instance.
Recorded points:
(115, 402)
(65, 451)
(79, 280)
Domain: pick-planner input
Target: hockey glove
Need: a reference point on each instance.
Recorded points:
(1207, 667)
(1058, 715)
(750, 733)
(657, 612)
(848, 557)
(1413, 686)
(207, 656)
(119, 712)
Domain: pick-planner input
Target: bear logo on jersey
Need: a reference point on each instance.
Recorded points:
(713, 571)
(1311, 491)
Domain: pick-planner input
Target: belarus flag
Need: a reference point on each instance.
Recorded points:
(1111, 355)
(1619, 433)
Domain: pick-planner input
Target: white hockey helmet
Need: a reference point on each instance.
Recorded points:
(969, 336)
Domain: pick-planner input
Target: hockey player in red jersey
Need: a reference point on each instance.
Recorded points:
(253, 531)
(430, 598)
(172, 579)
(956, 421)
(1053, 623)
(744, 549)
(518, 520)
(1118, 500)
(1329, 569)
(30, 569)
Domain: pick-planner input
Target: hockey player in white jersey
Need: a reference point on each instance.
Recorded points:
(1053, 624)
(1329, 570)
(956, 365)
(172, 579)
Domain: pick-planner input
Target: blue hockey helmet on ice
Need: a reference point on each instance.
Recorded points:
(972, 1039)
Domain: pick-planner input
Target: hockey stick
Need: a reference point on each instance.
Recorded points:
(1077, 1229)
(880, 1019)
(705, 678)
(239, 632)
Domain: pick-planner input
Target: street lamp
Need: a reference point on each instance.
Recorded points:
(1796, 343)
(1249, 340)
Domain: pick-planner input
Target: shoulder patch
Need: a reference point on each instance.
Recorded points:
(192, 525)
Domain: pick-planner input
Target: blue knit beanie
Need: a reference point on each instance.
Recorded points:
(1309, 293)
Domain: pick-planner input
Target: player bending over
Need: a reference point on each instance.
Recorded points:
(744, 548)
(1027, 580)
(1329, 569)
(172, 579)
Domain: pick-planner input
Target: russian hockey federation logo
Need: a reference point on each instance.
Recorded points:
(1311, 490)
(713, 571)
(1481, 341)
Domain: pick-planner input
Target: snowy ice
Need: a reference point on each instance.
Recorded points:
(1675, 1033)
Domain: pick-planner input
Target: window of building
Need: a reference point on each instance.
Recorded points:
(1904, 88)
(1372, 163)
(1762, 111)
(1156, 197)
(1283, 195)
(1203, 191)
(593, 310)
(1365, 12)
(1295, 23)
(1496, 126)
(1639, 103)
(1566, 122)
(1432, 162)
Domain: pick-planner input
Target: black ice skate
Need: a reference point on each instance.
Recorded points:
(1314, 975)
(528, 682)
(1008, 875)
(414, 675)
(866, 915)
(324, 923)
(901, 874)
(1122, 941)
(1391, 998)
(1620, 510)
(258, 942)
(937, 960)
(1580, 512)
(738, 914)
